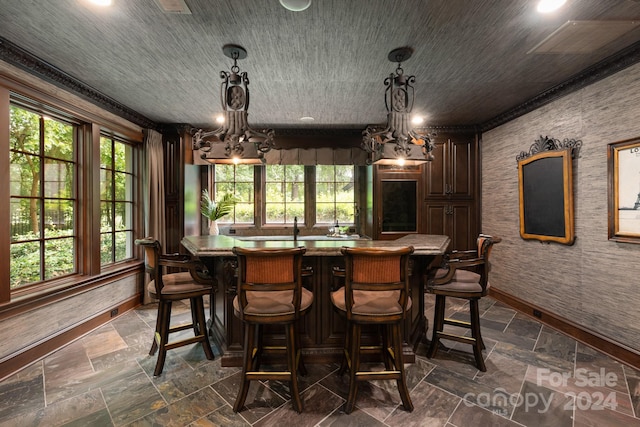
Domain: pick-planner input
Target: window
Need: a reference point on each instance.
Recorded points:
(334, 194)
(237, 180)
(43, 202)
(61, 233)
(116, 201)
(284, 194)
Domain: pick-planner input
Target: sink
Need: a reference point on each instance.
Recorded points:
(300, 238)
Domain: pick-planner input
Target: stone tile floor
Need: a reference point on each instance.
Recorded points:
(535, 377)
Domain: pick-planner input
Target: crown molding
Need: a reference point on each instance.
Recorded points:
(605, 68)
(24, 60)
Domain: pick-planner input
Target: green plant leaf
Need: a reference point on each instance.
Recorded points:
(213, 210)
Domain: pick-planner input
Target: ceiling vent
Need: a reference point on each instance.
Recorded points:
(174, 6)
(583, 36)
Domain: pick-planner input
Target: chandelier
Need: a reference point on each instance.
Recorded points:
(234, 142)
(397, 143)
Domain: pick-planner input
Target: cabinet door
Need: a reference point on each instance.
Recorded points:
(462, 168)
(437, 170)
(454, 219)
(452, 172)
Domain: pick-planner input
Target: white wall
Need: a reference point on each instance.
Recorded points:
(596, 282)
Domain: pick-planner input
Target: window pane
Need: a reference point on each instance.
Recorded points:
(106, 154)
(25, 263)
(123, 246)
(284, 189)
(25, 219)
(335, 194)
(59, 257)
(58, 179)
(123, 220)
(24, 130)
(58, 218)
(236, 180)
(25, 175)
(106, 248)
(106, 217)
(56, 140)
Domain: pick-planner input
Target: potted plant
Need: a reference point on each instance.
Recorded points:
(213, 210)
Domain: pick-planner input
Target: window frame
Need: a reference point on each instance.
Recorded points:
(308, 221)
(92, 123)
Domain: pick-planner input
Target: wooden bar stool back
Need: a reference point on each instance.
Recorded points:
(270, 291)
(375, 292)
(465, 275)
(193, 285)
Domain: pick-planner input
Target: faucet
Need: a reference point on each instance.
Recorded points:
(296, 230)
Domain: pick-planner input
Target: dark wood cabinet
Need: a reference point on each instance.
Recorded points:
(451, 196)
(453, 171)
(456, 219)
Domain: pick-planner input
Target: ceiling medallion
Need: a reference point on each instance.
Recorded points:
(398, 143)
(234, 141)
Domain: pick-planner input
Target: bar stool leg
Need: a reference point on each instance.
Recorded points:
(399, 364)
(345, 364)
(293, 366)
(438, 325)
(201, 328)
(247, 362)
(475, 333)
(165, 313)
(354, 368)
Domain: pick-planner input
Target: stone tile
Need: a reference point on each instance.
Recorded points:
(432, 407)
(597, 417)
(556, 344)
(184, 411)
(103, 341)
(544, 407)
(467, 414)
(131, 398)
(22, 393)
(539, 359)
(261, 400)
(633, 383)
(318, 402)
(498, 313)
(74, 411)
(475, 392)
(524, 327)
(503, 372)
(223, 416)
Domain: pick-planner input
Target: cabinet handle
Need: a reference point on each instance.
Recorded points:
(448, 189)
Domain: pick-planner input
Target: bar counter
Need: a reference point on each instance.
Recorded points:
(323, 328)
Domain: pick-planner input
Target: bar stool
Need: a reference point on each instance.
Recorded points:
(270, 291)
(167, 288)
(464, 275)
(375, 292)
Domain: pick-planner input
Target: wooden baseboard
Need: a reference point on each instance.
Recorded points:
(581, 334)
(19, 360)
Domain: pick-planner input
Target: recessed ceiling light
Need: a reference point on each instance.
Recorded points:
(295, 5)
(220, 119)
(417, 120)
(307, 119)
(548, 6)
(101, 2)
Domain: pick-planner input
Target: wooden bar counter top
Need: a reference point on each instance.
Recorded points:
(323, 328)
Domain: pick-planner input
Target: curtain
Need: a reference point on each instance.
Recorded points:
(153, 179)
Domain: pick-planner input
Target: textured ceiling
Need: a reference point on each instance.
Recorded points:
(329, 61)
